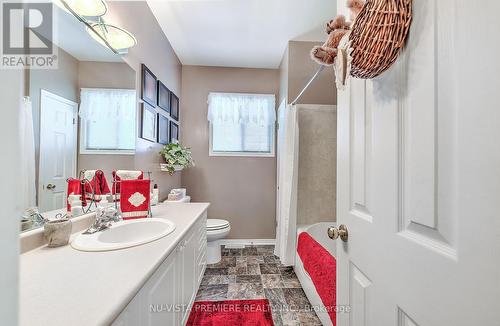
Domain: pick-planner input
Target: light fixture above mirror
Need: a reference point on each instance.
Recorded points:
(117, 37)
(88, 8)
(90, 13)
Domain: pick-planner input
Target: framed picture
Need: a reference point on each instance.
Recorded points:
(163, 97)
(174, 106)
(163, 134)
(148, 89)
(174, 132)
(148, 122)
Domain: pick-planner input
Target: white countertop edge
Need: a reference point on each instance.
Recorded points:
(111, 310)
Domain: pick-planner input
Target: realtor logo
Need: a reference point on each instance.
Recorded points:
(27, 35)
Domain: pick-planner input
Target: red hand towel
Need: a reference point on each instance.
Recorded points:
(120, 175)
(134, 198)
(74, 188)
(97, 185)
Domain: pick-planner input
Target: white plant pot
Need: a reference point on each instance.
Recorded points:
(164, 167)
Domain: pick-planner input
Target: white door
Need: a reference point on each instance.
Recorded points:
(58, 129)
(419, 177)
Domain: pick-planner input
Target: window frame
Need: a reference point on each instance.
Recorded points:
(213, 153)
(82, 126)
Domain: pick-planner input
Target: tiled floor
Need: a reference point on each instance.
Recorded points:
(255, 273)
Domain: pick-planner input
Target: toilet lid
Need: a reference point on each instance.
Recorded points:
(216, 224)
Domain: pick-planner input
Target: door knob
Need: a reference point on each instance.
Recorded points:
(340, 232)
(50, 186)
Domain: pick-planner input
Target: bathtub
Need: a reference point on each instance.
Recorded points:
(319, 232)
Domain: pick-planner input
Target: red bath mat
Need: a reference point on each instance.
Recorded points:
(231, 313)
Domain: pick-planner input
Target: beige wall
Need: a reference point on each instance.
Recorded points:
(240, 189)
(154, 50)
(105, 75)
(297, 68)
(317, 179)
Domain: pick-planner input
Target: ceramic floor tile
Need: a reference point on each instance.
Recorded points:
(308, 318)
(253, 269)
(276, 298)
(269, 259)
(265, 251)
(245, 291)
(272, 281)
(291, 283)
(212, 292)
(216, 271)
(278, 284)
(290, 318)
(224, 262)
(249, 251)
(296, 299)
(231, 252)
(269, 269)
(255, 260)
(248, 279)
(218, 279)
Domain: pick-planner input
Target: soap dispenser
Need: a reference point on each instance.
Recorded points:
(155, 195)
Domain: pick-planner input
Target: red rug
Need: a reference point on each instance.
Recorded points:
(231, 313)
(322, 267)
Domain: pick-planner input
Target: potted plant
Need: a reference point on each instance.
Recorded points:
(177, 157)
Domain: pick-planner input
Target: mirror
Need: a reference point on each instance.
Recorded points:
(84, 118)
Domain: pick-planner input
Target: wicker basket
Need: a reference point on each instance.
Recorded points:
(378, 35)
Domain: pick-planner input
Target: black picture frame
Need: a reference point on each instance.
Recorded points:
(174, 132)
(163, 129)
(163, 97)
(174, 106)
(149, 121)
(148, 86)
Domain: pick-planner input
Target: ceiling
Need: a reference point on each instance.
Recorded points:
(240, 33)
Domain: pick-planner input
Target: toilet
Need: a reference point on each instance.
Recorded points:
(216, 230)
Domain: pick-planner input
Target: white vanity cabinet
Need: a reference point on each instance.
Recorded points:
(166, 296)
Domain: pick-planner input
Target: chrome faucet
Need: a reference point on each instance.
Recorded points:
(103, 220)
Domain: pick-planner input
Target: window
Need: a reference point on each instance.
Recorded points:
(241, 124)
(108, 121)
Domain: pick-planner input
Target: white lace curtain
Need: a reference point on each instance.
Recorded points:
(231, 108)
(99, 104)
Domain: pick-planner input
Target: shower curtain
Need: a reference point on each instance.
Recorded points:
(286, 213)
(27, 143)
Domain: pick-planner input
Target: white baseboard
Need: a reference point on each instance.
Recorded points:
(241, 243)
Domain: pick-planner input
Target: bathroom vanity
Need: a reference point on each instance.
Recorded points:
(150, 284)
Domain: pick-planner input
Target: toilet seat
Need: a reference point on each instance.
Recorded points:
(217, 224)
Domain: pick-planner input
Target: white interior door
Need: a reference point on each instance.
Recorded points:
(419, 177)
(58, 130)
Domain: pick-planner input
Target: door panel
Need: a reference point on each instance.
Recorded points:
(57, 149)
(418, 174)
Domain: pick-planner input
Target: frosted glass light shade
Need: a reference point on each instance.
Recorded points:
(88, 8)
(117, 37)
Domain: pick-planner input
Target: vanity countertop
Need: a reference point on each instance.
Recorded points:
(63, 286)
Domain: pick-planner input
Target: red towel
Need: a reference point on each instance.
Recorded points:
(322, 268)
(120, 175)
(134, 198)
(97, 185)
(74, 188)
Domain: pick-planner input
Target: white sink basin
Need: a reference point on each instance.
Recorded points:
(125, 234)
